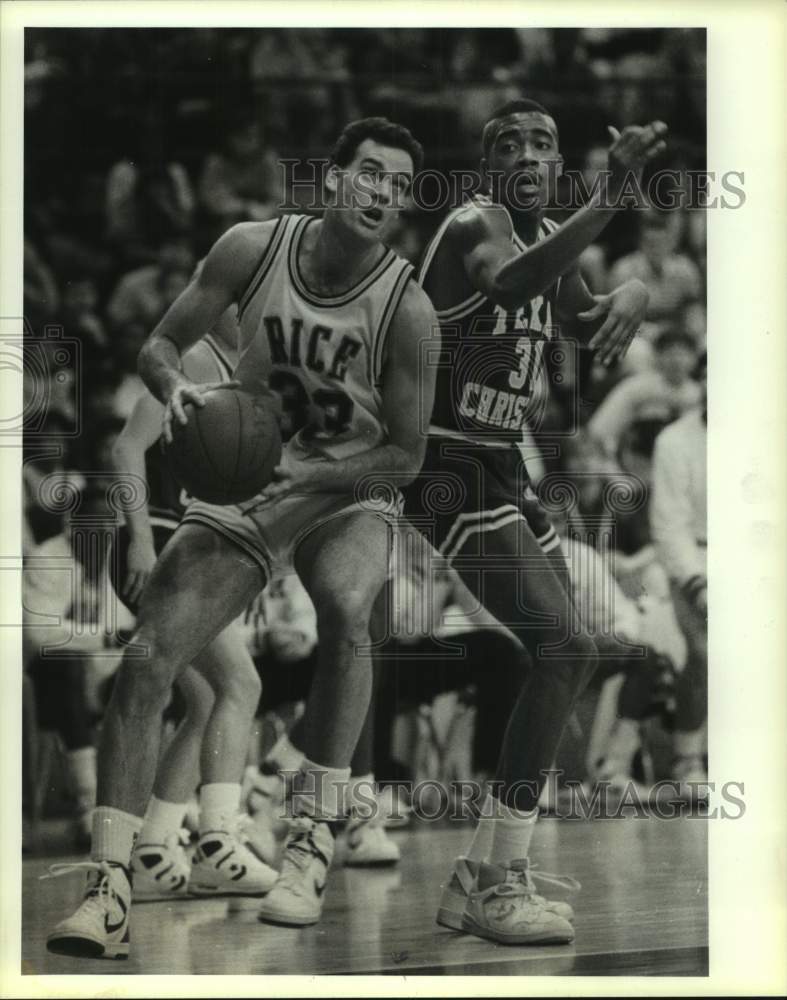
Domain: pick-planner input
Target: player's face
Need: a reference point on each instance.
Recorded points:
(522, 160)
(373, 188)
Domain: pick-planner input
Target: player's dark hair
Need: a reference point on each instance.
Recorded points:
(509, 108)
(381, 130)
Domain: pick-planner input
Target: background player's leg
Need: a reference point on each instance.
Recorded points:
(178, 772)
(229, 669)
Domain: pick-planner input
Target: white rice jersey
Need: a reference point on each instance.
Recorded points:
(322, 355)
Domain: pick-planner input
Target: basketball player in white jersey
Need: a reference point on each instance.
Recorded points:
(503, 278)
(332, 318)
(220, 692)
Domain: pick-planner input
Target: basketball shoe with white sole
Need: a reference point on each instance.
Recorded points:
(98, 928)
(162, 871)
(456, 893)
(297, 898)
(224, 865)
(368, 844)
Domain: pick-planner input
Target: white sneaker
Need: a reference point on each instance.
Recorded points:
(369, 844)
(502, 906)
(162, 871)
(98, 928)
(296, 899)
(223, 865)
(453, 901)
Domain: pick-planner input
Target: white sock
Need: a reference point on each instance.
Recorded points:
(81, 766)
(319, 791)
(361, 798)
(481, 844)
(512, 832)
(284, 756)
(218, 805)
(161, 820)
(114, 835)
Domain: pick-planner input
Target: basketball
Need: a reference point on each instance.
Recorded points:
(227, 451)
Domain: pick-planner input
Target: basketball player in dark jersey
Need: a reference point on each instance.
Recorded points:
(200, 747)
(325, 307)
(502, 279)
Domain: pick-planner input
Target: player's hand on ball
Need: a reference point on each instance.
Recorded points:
(623, 311)
(635, 146)
(295, 477)
(187, 392)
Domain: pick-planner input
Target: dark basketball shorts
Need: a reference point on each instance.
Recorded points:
(466, 491)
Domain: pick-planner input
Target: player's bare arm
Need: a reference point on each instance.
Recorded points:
(510, 279)
(407, 398)
(141, 431)
(610, 321)
(223, 278)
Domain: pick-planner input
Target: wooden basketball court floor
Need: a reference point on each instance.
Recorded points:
(642, 911)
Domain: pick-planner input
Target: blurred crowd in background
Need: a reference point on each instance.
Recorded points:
(143, 146)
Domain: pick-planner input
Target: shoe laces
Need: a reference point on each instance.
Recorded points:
(301, 848)
(98, 895)
(566, 882)
(177, 842)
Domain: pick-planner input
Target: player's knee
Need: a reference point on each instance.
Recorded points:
(345, 615)
(241, 685)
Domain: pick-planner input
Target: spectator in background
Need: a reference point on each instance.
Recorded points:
(142, 296)
(662, 394)
(65, 605)
(678, 512)
(41, 296)
(80, 315)
(672, 279)
(149, 197)
(242, 182)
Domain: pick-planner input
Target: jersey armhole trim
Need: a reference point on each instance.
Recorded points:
(265, 263)
(388, 312)
(225, 368)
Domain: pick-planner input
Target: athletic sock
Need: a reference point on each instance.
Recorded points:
(481, 844)
(114, 835)
(319, 791)
(218, 805)
(81, 765)
(512, 832)
(360, 798)
(161, 820)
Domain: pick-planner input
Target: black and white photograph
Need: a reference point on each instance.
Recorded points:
(366, 585)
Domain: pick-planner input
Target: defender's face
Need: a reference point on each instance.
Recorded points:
(523, 159)
(373, 188)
